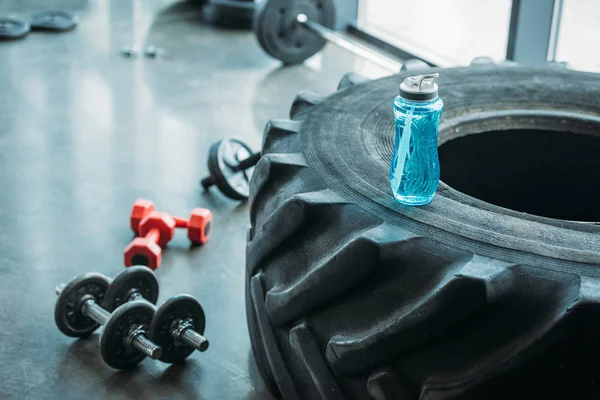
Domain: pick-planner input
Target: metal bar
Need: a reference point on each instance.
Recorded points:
(356, 48)
(530, 31)
(555, 30)
(194, 339)
(95, 312)
(374, 40)
(404, 51)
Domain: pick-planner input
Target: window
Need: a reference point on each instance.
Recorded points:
(579, 35)
(445, 32)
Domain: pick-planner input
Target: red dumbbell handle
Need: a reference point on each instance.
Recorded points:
(180, 222)
(153, 235)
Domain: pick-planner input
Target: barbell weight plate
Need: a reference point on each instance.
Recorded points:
(282, 37)
(223, 157)
(57, 21)
(182, 307)
(115, 352)
(68, 313)
(137, 278)
(13, 28)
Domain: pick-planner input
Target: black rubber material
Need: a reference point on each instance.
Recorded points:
(13, 28)
(281, 36)
(137, 278)
(221, 162)
(55, 21)
(181, 307)
(414, 64)
(233, 14)
(350, 79)
(112, 340)
(67, 311)
(352, 295)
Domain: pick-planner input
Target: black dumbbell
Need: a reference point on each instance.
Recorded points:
(178, 324)
(228, 162)
(123, 342)
(56, 21)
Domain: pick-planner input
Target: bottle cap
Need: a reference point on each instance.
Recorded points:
(420, 87)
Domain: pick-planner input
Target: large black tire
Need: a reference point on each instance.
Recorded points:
(351, 295)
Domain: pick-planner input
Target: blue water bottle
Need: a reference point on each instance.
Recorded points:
(415, 167)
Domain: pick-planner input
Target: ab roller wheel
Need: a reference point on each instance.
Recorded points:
(230, 164)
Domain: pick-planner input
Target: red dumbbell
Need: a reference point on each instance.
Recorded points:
(198, 225)
(140, 209)
(155, 230)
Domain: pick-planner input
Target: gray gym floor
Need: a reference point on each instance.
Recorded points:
(83, 133)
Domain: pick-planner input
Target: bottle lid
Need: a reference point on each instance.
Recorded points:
(420, 87)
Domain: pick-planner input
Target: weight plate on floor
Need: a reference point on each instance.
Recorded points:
(236, 14)
(13, 28)
(68, 313)
(113, 340)
(282, 37)
(223, 157)
(179, 308)
(138, 279)
(58, 21)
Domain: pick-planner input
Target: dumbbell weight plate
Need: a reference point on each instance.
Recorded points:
(136, 278)
(57, 21)
(181, 307)
(13, 28)
(113, 348)
(282, 37)
(67, 311)
(223, 157)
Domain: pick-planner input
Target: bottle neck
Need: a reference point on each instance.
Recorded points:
(417, 102)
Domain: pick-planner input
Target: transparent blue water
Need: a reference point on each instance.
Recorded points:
(415, 167)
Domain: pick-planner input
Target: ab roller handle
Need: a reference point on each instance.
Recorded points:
(242, 166)
(136, 337)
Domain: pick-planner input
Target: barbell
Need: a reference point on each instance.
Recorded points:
(295, 30)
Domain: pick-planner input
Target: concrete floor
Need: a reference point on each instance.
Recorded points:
(83, 133)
